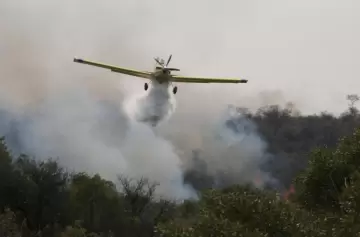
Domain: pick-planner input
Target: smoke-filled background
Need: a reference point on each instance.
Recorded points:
(303, 51)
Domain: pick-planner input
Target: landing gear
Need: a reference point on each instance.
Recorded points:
(146, 86)
(175, 90)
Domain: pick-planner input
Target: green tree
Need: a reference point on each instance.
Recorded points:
(321, 184)
(95, 201)
(8, 226)
(41, 192)
(244, 211)
(142, 211)
(7, 177)
(350, 204)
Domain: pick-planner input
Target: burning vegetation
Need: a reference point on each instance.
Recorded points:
(309, 182)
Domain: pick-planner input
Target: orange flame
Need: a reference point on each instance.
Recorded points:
(288, 192)
(258, 181)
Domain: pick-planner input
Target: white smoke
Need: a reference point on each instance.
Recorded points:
(233, 150)
(152, 107)
(96, 136)
(78, 113)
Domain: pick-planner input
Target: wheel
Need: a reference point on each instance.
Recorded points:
(146, 86)
(175, 90)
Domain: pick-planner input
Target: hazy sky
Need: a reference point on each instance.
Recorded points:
(301, 51)
(304, 51)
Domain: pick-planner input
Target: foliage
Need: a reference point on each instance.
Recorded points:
(8, 226)
(321, 184)
(49, 200)
(39, 198)
(290, 137)
(243, 211)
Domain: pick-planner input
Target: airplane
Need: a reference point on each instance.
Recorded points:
(161, 74)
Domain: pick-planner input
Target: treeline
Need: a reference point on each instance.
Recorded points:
(290, 136)
(43, 199)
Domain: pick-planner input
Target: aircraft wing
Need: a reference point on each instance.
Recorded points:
(126, 71)
(207, 80)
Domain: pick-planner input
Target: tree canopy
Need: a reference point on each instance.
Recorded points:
(40, 198)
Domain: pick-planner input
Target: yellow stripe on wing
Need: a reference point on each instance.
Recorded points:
(207, 80)
(126, 71)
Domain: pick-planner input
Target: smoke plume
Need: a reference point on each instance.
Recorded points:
(88, 134)
(90, 118)
(153, 107)
(232, 152)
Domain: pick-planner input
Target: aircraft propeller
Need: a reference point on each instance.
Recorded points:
(162, 61)
(169, 60)
(157, 60)
(164, 66)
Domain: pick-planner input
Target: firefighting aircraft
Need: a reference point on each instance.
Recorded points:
(161, 74)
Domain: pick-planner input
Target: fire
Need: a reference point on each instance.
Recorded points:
(258, 181)
(288, 192)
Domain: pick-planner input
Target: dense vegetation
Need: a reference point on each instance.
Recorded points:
(320, 153)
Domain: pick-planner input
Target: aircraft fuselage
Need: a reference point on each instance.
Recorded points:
(162, 77)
